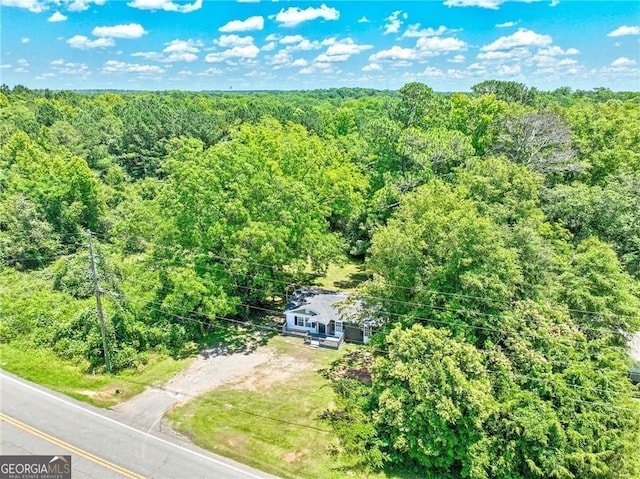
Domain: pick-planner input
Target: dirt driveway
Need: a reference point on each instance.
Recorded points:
(211, 369)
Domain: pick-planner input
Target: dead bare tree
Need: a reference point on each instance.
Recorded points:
(541, 141)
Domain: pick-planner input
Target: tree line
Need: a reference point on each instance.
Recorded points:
(499, 229)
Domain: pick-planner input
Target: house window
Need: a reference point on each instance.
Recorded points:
(338, 326)
(299, 320)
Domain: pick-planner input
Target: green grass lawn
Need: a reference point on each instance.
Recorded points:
(342, 277)
(277, 428)
(44, 367)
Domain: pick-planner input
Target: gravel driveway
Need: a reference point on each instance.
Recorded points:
(211, 369)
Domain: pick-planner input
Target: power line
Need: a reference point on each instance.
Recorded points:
(444, 322)
(379, 350)
(392, 286)
(427, 291)
(433, 307)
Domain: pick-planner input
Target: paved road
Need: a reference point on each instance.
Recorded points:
(34, 420)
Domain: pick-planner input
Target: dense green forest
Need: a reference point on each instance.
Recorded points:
(500, 231)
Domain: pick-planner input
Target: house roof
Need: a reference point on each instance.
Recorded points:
(320, 301)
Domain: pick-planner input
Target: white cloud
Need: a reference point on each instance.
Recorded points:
(306, 45)
(364, 20)
(34, 6)
(57, 17)
(246, 52)
(432, 72)
(624, 30)
(5, 65)
(290, 39)
(131, 30)
(174, 51)
(281, 58)
(324, 58)
(113, 66)
(83, 43)
(457, 59)
(346, 47)
(555, 51)
(300, 62)
(438, 45)
(24, 40)
(554, 3)
(251, 23)
(477, 68)
(521, 38)
(623, 62)
(181, 46)
(548, 57)
(70, 68)
(82, 5)
(324, 67)
(293, 16)
(38, 6)
(210, 72)
(372, 67)
(166, 5)
(425, 47)
(414, 31)
(493, 4)
(22, 67)
(59, 61)
(550, 62)
(509, 70)
(394, 22)
(499, 56)
(269, 47)
(226, 41)
(506, 24)
(455, 74)
(394, 53)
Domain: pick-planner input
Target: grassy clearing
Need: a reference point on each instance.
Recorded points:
(44, 367)
(343, 278)
(278, 428)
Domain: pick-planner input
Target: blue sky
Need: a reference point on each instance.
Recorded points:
(218, 45)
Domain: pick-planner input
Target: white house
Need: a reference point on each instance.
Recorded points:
(321, 316)
(634, 349)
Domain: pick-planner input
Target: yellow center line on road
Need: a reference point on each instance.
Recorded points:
(87, 455)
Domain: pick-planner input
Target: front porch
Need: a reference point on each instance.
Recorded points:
(315, 339)
(324, 340)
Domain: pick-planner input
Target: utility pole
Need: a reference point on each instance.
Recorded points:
(96, 289)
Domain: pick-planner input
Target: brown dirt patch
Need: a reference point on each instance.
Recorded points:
(295, 456)
(277, 370)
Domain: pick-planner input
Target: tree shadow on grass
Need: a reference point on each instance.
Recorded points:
(243, 337)
(354, 279)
